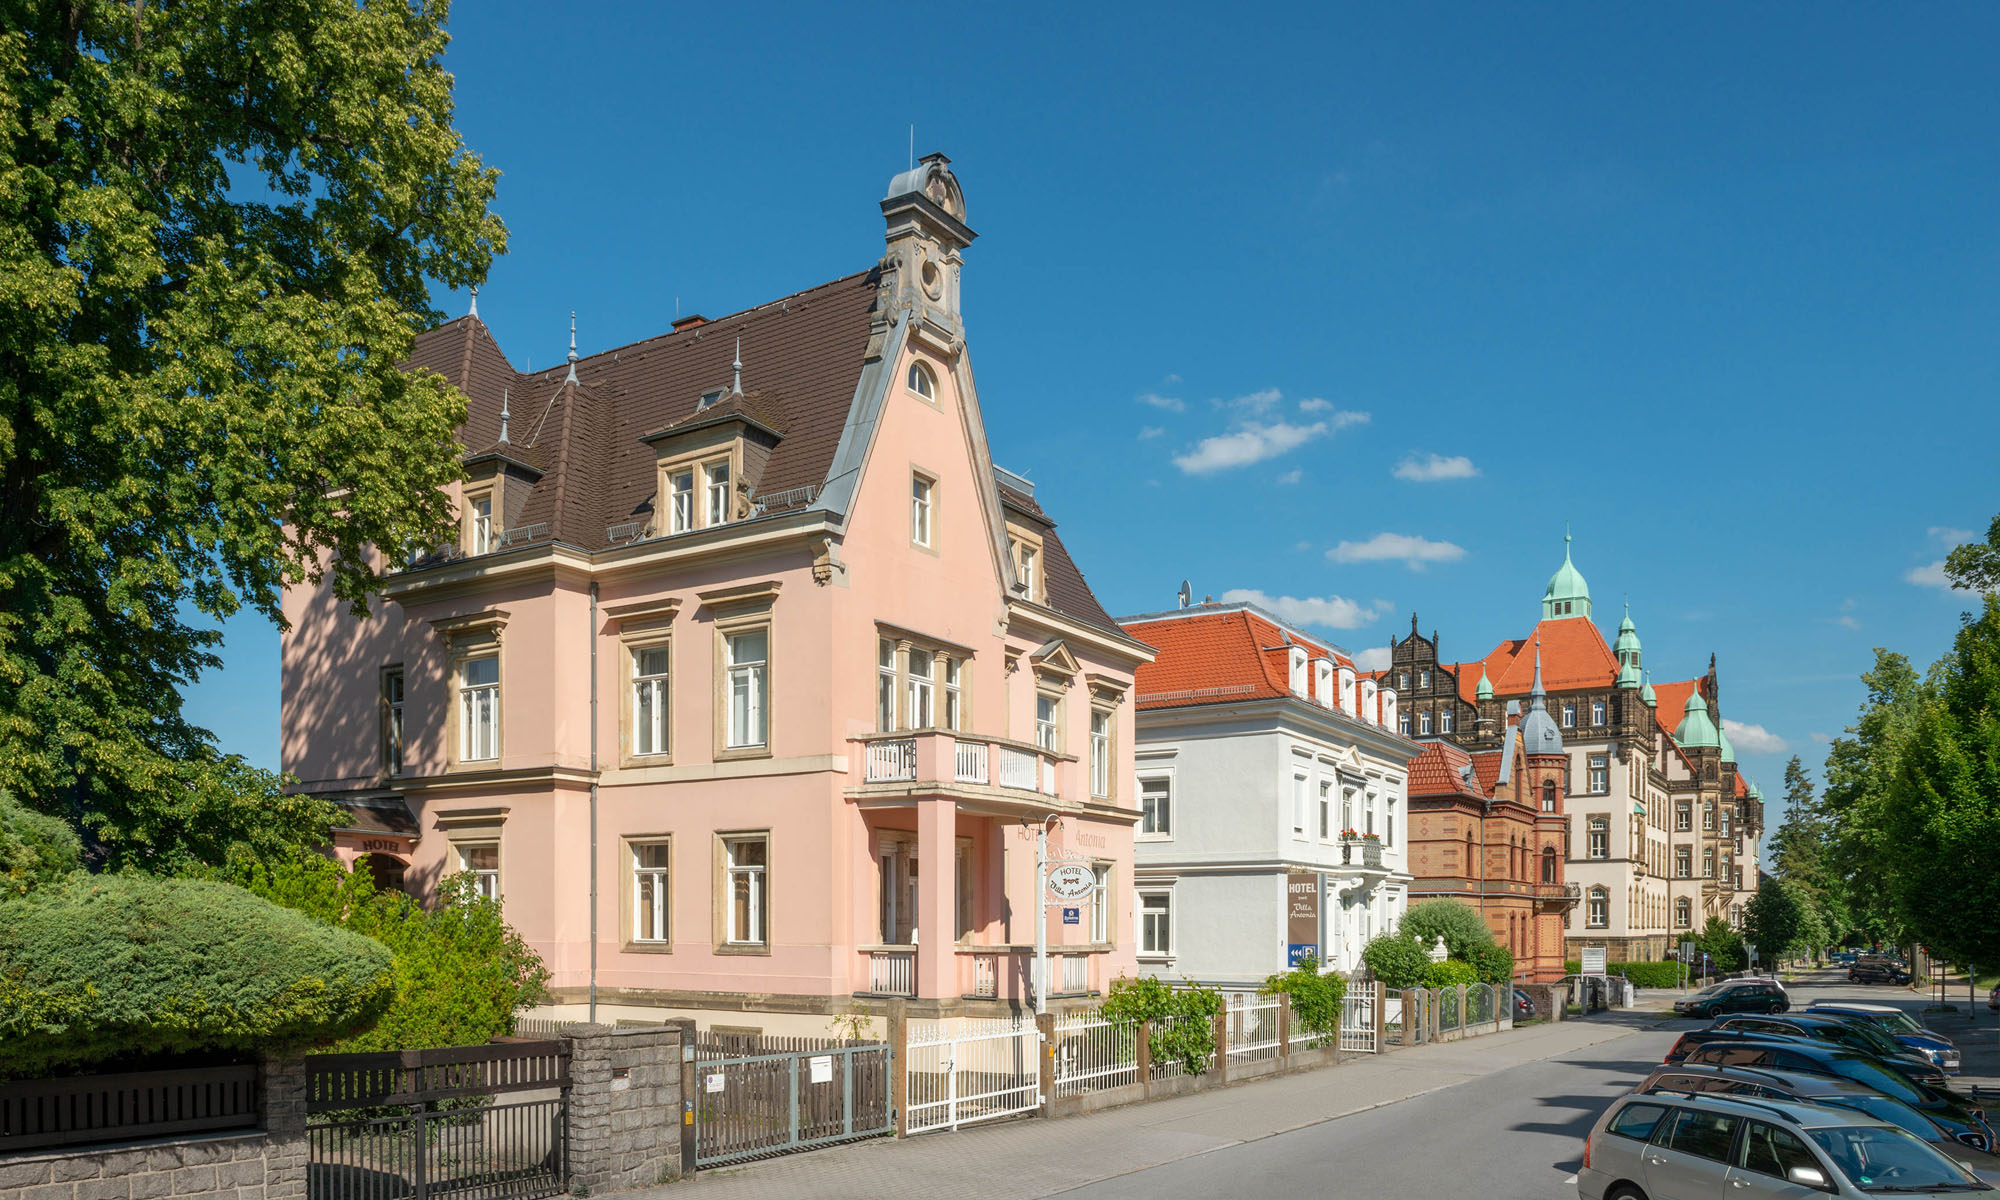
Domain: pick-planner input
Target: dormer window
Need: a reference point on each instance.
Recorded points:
(708, 398)
(680, 501)
(1298, 670)
(1323, 683)
(717, 509)
(921, 381)
(482, 525)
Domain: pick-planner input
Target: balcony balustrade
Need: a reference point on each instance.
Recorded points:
(892, 972)
(1361, 852)
(992, 762)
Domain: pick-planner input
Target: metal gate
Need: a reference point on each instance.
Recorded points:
(967, 1069)
(766, 1098)
(464, 1120)
(1358, 1034)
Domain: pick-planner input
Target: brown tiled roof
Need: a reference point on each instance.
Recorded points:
(802, 361)
(1216, 658)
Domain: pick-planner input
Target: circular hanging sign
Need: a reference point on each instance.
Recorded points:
(1071, 881)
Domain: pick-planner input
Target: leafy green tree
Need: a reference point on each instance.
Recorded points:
(1722, 944)
(1943, 832)
(220, 218)
(103, 967)
(1975, 566)
(1859, 797)
(462, 974)
(1460, 925)
(1397, 959)
(1802, 851)
(35, 850)
(1775, 920)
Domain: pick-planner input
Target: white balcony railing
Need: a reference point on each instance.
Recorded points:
(892, 760)
(971, 762)
(892, 972)
(985, 976)
(1017, 768)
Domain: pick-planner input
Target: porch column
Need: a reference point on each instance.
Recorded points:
(937, 898)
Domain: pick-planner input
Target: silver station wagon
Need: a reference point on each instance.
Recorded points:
(1658, 1147)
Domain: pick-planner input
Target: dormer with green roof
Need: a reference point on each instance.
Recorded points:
(1722, 744)
(1697, 730)
(1485, 689)
(1646, 695)
(1626, 649)
(1567, 594)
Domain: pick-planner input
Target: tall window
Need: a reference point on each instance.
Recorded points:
(1683, 816)
(718, 492)
(953, 703)
(1368, 813)
(1156, 923)
(749, 675)
(745, 859)
(1424, 723)
(1446, 721)
(1548, 795)
(482, 861)
(1569, 714)
(482, 525)
(1299, 805)
(1346, 809)
(1708, 864)
(1598, 915)
(1548, 864)
(920, 509)
(1600, 838)
(1683, 912)
(1597, 712)
(1708, 814)
(1100, 753)
(885, 685)
(1725, 818)
(1100, 903)
(1424, 680)
(921, 688)
(1048, 730)
(392, 720)
(649, 700)
(649, 891)
(1403, 724)
(680, 501)
(1028, 567)
(1156, 806)
(479, 709)
(1325, 809)
(1600, 775)
(1683, 862)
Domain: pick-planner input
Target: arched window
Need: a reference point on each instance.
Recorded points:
(1683, 912)
(1548, 795)
(1548, 864)
(1598, 914)
(922, 382)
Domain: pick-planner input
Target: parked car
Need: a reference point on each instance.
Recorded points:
(1524, 1006)
(1968, 1141)
(1993, 997)
(1896, 1024)
(1688, 1146)
(1781, 1054)
(1735, 996)
(1863, 1037)
(1877, 972)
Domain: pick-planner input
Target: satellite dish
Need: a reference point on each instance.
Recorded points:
(1186, 594)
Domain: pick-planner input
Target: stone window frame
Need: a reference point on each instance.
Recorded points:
(1109, 711)
(1045, 690)
(489, 491)
(1595, 824)
(933, 510)
(471, 828)
(698, 458)
(1447, 721)
(941, 652)
(395, 736)
(1683, 913)
(644, 625)
(1592, 919)
(748, 608)
(920, 368)
(724, 896)
(1020, 537)
(474, 636)
(628, 894)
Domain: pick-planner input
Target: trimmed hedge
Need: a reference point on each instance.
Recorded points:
(101, 967)
(1642, 974)
(1396, 960)
(1450, 973)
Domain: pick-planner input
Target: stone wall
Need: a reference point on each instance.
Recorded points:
(625, 1111)
(266, 1164)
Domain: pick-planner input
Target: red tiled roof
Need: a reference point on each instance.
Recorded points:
(1435, 772)
(1486, 764)
(1673, 698)
(1214, 658)
(1573, 656)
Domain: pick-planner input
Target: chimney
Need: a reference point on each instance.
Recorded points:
(691, 321)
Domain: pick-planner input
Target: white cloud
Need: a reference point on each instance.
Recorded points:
(1152, 431)
(1251, 444)
(1388, 547)
(1172, 378)
(1293, 475)
(1929, 575)
(1433, 467)
(1333, 612)
(1950, 536)
(1315, 404)
(1754, 738)
(1257, 403)
(1375, 658)
(1824, 739)
(1169, 403)
(1847, 621)
(1302, 546)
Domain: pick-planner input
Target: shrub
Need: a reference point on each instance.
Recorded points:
(1397, 960)
(1449, 973)
(35, 850)
(1493, 962)
(1315, 997)
(462, 974)
(1189, 1040)
(1642, 974)
(1459, 924)
(102, 967)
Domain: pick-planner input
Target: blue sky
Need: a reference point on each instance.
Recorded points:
(1714, 284)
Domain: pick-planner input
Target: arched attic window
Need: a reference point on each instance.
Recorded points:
(922, 381)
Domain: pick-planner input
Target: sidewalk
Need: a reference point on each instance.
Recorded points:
(1035, 1157)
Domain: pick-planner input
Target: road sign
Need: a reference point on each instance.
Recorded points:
(1298, 952)
(1593, 960)
(1071, 882)
(1072, 916)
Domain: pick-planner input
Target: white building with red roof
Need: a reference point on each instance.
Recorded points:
(1273, 794)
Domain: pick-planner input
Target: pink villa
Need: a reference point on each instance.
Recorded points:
(749, 675)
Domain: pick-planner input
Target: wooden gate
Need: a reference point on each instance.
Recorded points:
(488, 1121)
(754, 1099)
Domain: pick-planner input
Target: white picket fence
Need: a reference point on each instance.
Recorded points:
(1253, 1029)
(1358, 1034)
(1092, 1053)
(964, 1070)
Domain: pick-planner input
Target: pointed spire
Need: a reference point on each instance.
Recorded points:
(505, 397)
(475, 301)
(736, 388)
(571, 377)
(1535, 692)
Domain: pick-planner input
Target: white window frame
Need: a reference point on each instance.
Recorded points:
(1597, 911)
(479, 711)
(1600, 774)
(1598, 837)
(1152, 919)
(1424, 723)
(1569, 714)
(1708, 862)
(1447, 722)
(1029, 562)
(921, 380)
(886, 686)
(1683, 913)
(1326, 830)
(954, 699)
(393, 693)
(485, 880)
(1403, 724)
(1156, 808)
(680, 499)
(755, 880)
(1100, 903)
(923, 500)
(1424, 680)
(922, 691)
(751, 677)
(1683, 862)
(482, 524)
(1300, 814)
(1597, 712)
(715, 490)
(1100, 752)
(654, 736)
(1683, 816)
(1048, 729)
(658, 907)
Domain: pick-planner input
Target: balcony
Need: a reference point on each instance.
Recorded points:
(892, 972)
(1361, 852)
(943, 757)
(1568, 893)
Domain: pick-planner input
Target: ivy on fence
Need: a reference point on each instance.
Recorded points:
(1183, 1019)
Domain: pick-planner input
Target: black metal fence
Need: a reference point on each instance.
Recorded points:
(112, 1108)
(432, 1123)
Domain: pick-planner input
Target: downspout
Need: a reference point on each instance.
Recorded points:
(593, 802)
